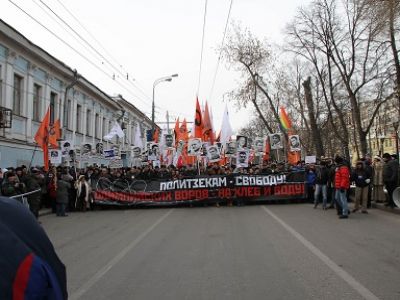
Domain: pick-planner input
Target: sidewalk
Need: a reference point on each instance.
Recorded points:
(44, 212)
(382, 206)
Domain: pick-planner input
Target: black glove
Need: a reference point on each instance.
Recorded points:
(342, 190)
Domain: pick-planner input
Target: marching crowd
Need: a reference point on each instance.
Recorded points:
(69, 189)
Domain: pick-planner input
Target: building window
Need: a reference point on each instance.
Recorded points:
(97, 126)
(17, 103)
(37, 96)
(88, 123)
(78, 117)
(53, 99)
(67, 113)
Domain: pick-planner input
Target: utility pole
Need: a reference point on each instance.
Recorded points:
(167, 121)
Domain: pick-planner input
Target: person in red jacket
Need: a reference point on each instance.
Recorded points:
(342, 184)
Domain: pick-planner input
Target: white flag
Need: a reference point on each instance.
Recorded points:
(138, 142)
(115, 130)
(226, 128)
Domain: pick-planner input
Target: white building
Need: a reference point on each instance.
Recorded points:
(31, 80)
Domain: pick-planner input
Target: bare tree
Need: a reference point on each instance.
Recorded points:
(251, 57)
(336, 36)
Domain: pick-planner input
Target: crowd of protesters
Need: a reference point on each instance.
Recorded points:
(328, 181)
(331, 181)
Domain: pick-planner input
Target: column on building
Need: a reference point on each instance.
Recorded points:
(74, 115)
(61, 100)
(9, 79)
(46, 96)
(84, 118)
(28, 108)
(94, 125)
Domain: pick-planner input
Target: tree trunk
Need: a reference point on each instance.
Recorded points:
(316, 134)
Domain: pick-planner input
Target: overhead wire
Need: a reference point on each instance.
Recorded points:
(202, 44)
(72, 48)
(90, 46)
(135, 83)
(220, 52)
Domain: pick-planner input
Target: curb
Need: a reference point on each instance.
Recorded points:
(44, 212)
(382, 206)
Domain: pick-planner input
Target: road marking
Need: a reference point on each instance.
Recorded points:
(100, 273)
(362, 290)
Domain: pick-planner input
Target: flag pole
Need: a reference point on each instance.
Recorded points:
(33, 155)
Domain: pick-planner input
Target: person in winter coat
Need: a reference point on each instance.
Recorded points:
(30, 267)
(361, 176)
(342, 184)
(82, 194)
(390, 176)
(378, 195)
(311, 177)
(62, 196)
(321, 185)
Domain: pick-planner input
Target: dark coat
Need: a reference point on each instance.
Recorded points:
(390, 170)
(322, 175)
(62, 191)
(359, 177)
(21, 238)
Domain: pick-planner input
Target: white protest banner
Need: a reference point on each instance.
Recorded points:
(312, 159)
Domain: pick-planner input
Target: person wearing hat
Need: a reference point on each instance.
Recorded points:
(11, 186)
(378, 195)
(62, 198)
(390, 176)
(362, 178)
(32, 184)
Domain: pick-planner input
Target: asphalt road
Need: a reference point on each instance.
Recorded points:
(252, 252)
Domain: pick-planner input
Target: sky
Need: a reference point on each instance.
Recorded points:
(150, 39)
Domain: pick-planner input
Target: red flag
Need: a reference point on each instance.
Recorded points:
(198, 121)
(42, 138)
(208, 134)
(176, 132)
(54, 134)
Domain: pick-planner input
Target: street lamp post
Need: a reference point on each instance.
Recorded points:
(157, 81)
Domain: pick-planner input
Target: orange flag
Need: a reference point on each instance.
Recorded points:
(55, 134)
(42, 138)
(208, 134)
(198, 121)
(183, 131)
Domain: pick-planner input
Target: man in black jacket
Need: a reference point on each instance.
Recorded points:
(321, 185)
(390, 176)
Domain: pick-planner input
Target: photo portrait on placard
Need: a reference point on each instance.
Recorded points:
(99, 148)
(66, 146)
(213, 153)
(55, 156)
(275, 141)
(86, 149)
(241, 142)
(169, 141)
(154, 151)
(259, 145)
(294, 142)
(204, 146)
(230, 148)
(194, 147)
(136, 151)
(242, 158)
